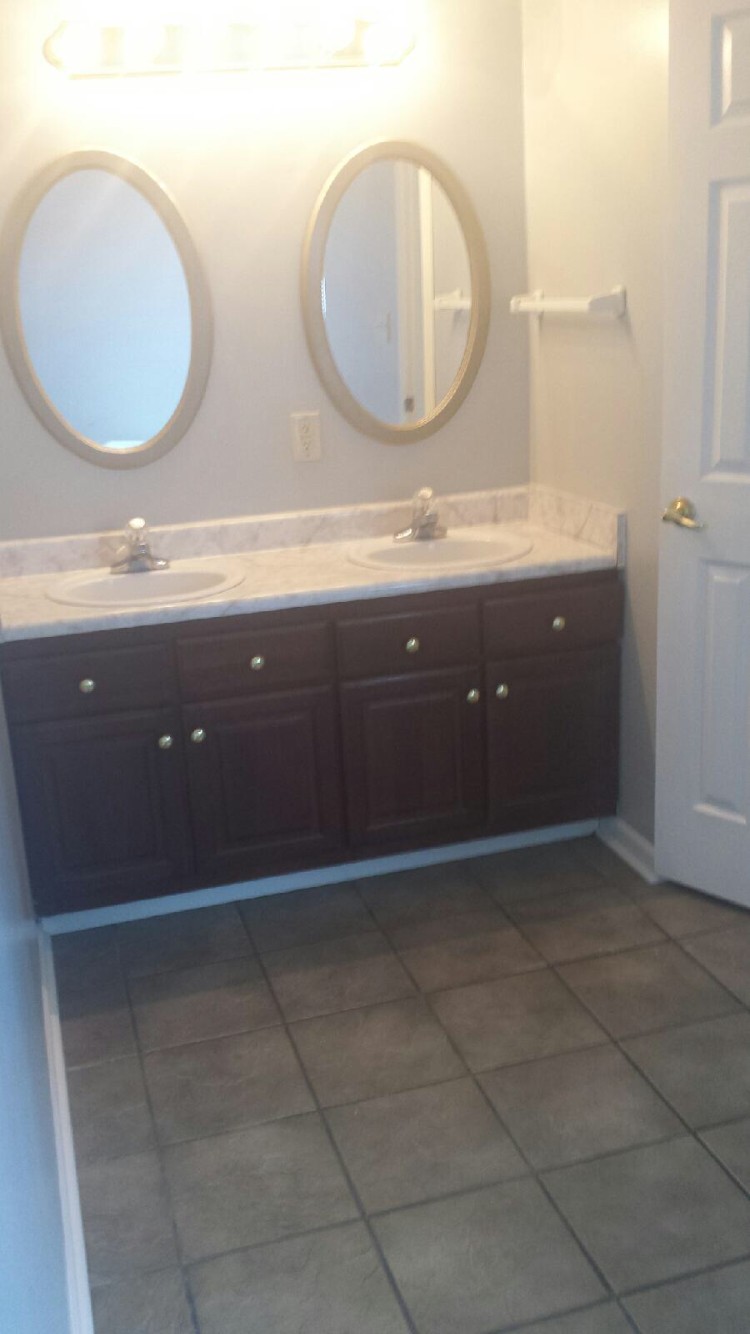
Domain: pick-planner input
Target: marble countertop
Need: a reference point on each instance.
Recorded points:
(295, 576)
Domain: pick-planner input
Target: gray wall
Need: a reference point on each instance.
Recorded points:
(244, 158)
(33, 1296)
(596, 142)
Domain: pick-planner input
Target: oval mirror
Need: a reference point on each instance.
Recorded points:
(105, 314)
(395, 291)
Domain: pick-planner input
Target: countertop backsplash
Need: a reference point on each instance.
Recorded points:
(600, 526)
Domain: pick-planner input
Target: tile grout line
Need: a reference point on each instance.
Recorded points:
(426, 995)
(705, 1270)
(549, 1321)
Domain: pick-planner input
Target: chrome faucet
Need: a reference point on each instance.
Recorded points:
(425, 520)
(136, 557)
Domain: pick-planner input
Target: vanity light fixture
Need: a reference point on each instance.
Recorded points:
(254, 35)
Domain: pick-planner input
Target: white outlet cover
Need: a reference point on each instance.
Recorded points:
(306, 436)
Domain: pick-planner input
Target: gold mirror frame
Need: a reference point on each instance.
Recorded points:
(313, 260)
(12, 329)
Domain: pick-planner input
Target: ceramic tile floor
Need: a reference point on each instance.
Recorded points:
(506, 1094)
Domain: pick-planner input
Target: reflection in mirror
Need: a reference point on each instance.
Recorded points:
(395, 291)
(106, 291)
(105, 309)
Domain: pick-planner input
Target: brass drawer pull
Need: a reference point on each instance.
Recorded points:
(502, 691)
(198, 736)
(166, 742)
(257, 663)
(412, 645)
(559, 623)
(87, 686)
(473, 696)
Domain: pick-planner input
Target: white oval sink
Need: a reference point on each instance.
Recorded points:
(184, 581)
(459, 552)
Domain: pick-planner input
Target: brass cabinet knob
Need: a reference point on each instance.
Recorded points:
(473, 697)
(257, 663)
(198, 736)
(412, 645)
(559, 623)
(87, 686)
(502, 691)
(166, 742)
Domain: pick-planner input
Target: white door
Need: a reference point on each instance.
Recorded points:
(703, 736)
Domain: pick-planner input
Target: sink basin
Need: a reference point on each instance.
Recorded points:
(184, 581)
(464, 551)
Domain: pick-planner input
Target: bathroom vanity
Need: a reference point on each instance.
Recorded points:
(165, 757)
(312, 705)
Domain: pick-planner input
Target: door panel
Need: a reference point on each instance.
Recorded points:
(104, 809)
(726, 435)
(265, 784)
(723, 772)
(731, 67)
(703, 736)
(413, 757)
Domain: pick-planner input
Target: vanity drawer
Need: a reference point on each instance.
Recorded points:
(82, 685)
(225, 666)
(407, 642)
(571, 617)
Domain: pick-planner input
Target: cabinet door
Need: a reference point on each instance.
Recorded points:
(265, 782)
(414, 757)
(552, 747)
(104, 809)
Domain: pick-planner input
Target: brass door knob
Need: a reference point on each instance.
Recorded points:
(473, 697)
(87, 686)
(502, 691)
(559, 623)
(682, 512)
(412, 645)
(166, 742)
(257, 663)
(198, 736)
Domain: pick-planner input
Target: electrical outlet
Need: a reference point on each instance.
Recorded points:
(306, 436)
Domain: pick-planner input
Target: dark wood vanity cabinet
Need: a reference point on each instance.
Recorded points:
(412, 721)
(552, 679)
(163, 759)
(96, 735)
(264, 781)
(413, 758)
(104, 808)
(261, 728)
(552, 739)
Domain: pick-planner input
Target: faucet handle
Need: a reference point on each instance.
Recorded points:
(136, 532)
(423, 500)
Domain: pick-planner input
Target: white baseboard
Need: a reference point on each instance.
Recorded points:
(324, 875)
(80, 1318)
(631, 846)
